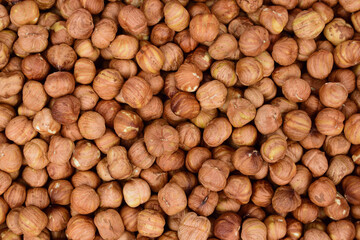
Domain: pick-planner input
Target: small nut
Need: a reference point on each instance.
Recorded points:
(223, 46)
(253, 228)
(37, 197)
(247, 160)
(35, 153)
(285, 51)
(276, 226)
(133, 20)
(322, 192)
(17, 16)
(187, 231)
(109, 224)
(274, 18)
(139, 156)
(285, 199)
(238, 188)
(80, 24)
(124, 47)
(217, 131)
(136, 92)
(91, 125)
(80, 227)
(307, 212)
(204, 27)
(188, 77)
(62, 56)
(249, 71)
(15, 195)
(172, 199)
(150, 223)
(33, 38)
(58, 218)
(153, 11)
(35, 67)
(340, 209)
(136, 191)
(127, 124)
(268, 119)
(297, 125)
(150, 58)
(316, 161)
(329, 122)
(60, 192)
(85, 155)
(227, 226)
(20, 130)
(84, 200)
(185, 105)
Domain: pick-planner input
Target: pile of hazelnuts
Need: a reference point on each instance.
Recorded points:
(180, 119)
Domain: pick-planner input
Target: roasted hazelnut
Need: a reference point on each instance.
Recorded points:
(266, 86)
(12, 220)
(283, 171)
(244, 136)
(226, 204)
(58, 218)
(329, 121)
(188, 77)
(196, 157)
(59, 34)
(150, 58)
(341, 229)
(314, 233)
(224, 71)
(153, 11)
(308, 24)
(285, 51)
(129, 217)
(62, 56)
(274, 148)
(284, 104)
(172, 199)
(346, 54)
(173, 56)
(34, 178)
(205, 116)
(247, 160)
(80, 24)
(306, 48)
(91, 125)
(59, 84)
(15, 195)
(37, 197)
(109, 224)
(189, 136)
(185, 41)
(19, 130)
(276, 226)
(325, 11)
(268, 119)
(285, 199)
(204, 27)
(335, 145)
(88, 178)
(33, 38)
(225, 10)
(338, 210)
(136, 191)
(155, 80)
(34, 95)
(35, 67)
(213, 174)
(302, 179)
(35, 153)
(127, 68)
(187, 231)
(212, 134)
(10, 157)
(211, 94)
(297, 125)
(59, 171)
(238, 188)
(350, 192)
(136, 92)
(127, 124)
(66, 109)
(85, 49)
(110, 195)
(307, 212)
(84, 200)
(107, 83)
(80, 227)
(338, 31)
(283, 73)
(223, 46)
(294, 228)
(155, 177)
(18, 18)
(60, 192)
(262, 193)
(227, 226)
(139, 156)
(322, 192)
(32, 221)
(150, 223)
(312, 106)
(253, 228)
(316, 161)
(185, 105)
(117, 164)
(161, 34)
(339, 167)
(171, 162)
(249, 71)
(133, 20)
(333, 94)
(274, 18)
(124, 47)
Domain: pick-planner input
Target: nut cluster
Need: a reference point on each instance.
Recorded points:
(180, 120)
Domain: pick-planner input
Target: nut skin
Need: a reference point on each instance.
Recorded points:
(338, 31)
(127, 68)
(60, 192)
(268, 119)
(285, 51)
(15, 195)
(274, 148)
(161, 34)
(351, 129)
(33, 38)
(88, 178)
(124, 47)
(329, 122)
(350, 192)
(32, 221)
(333, 94)
(136, 192)
(59, 84)
(110, 195)
(213, 174)
(34, 178)
(335, 145)
(276, 226)
(202, 200)
(150, 58)
(34, 95)
(127, 124)
(35, 153)
(66, 109)
(12, 220)
(18, 18)
(85, 49)
(238, 188)
(212, 136)
(11, 157)
(297, 125)
(314, 233)
(204, 27)
(61, 56)
(307, 212)
(254, 40)
(308, 24)
(341, 229)
(249, 71)
(107, 83)
(223, 46)
(316, 161)
(59, 171)
(153, 11)
(133, 20)
(136, 92)
(285, 199)
(84, 200)
(172, 199)
(339, 167)
(4, 55)
(240, 112)
(227, 226)
(139, 156)
(87, 96)
(4, 18)
(155, 177)
(188, 77)
(247, 160)
(91, 125)
(225, 10)
(226, 204)
(340, 209)
(267, 87)
(59, 34)
(109, 224)
(196, 157)
(176, 16)
(150, 223)
(6, 181)
(274, 18)
(282, 73)
(244, 136)
(262, 193)
(211, 94)
(37, 197)
(346, 54)
(253, 228)
(20, 130)
(185, 105)
(189, 136)
(322, 192)
(185, 41)
(173, 56)
(80, 24)
(325, 11)
(187, 231)
(283, 171)
(80, 227)
(224, 71)
(7, 113)
(35, 67)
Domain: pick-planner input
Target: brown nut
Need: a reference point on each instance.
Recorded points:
(316, 161)
(350, 192)
(150, 223)
(61, 56)
(136, 191)
(223, 46)
(161, 34)
(84, 71)
(59, 34)
(202, 200)
(80, 227)
(107, 83)
(171, 162)
(262, 193)
(20, 130)
(308, 24)
(340, 209)
(34, 95)
(322, 192)
(37, 197)
(338, 31)
(204, 27)
(153, 11)
(253, 228)
(127, 124)
(35, 153)
(283, 171)
(297, 125)
(59, 84)
(307, 212)
(150, 58)
(34, 178)
(217, 131)
(58, 218)
(33, 38)
(116, 165)
(12, 220)
(189, 136)
(282, 73)
(187, 231)
(274, 18)
(329, 121)
(346, 54)
(80, 24)
(213, 174)
(249, 71)
(18, 18)
(274, 148)
(188, 77)
(60, 192)
(227, 226)
(4, 18)
(276, 226)
(244, 136)
(339, 167)
(10, 157)
(109, 224)
(247, 160)
(211, 94)
(285, 199)
(155, 177)
(185, 41)
(133, 20)
(173, 57)
(35, 67)
(84, 200)
(85, 155)
(335, 145)
(66, 109)
(59, 171)
(285, 51)
(238, 188)
(185, 105)
(124, 47)
(91, 125)
(32, 221)
(15, 195)
(268, 119)
(172, 199)
(129, 217)
(136, 92)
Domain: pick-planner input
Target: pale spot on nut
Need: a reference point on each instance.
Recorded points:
(57, 185)
(338, 202)
(76, 162)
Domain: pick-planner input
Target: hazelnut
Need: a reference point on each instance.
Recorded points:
(283, 171)
(254, 96)
(227, 226)
(33, 38)
(172, 199)
(249, 71)
(133, 20)
(10, 157)
(214, 172)
(59, 34)
(32, 221)
(117, 164)
(35, 67)
(185, 105)
(139, 156)
(58, 218)
(211, 94)
(297, 125)
(150, 223)
(213, 127)
(189, 136)
(223, 46)
(238, 188)
(253, 228)
(61, 56)
(80, 227)
(262, 193)
(4, 18)
(4, 55)
(7, 113)
(322, 192)
(150, 58)
(276, 226)
(60, 192)
(282, 73)
(285, 199)
(335, 145)
(161, 34)
(18, 18)
(185, 41)
(333, 94)
(308, 24)
(341, 229)
(91, 125)
(170, 162)
(153, 11)
(107, 83)
(12, 220)
(338, 31)
(312, 106)
(173, 56)
(225, 10)
(124, 47)
(244, 136)
(325, 11)
(314, 233)
(350, 129)
(15, 195)
(339, 167)
(345, 54)
(226, 204)
(284, 105)
(247, 160)
(59, 84)
(188, 77)
(37, 197)
(136, 92)
(285, 51)
(127, 124)
(329, 121)
(196, 157)
(205, 116)
(66, 109)
(85, 49)
(274, 18)
(204, 27)
(224, 71)
(84, 200)
(316, 161)
(186, 180)
(34, 95)
(268, 119)
(34, 178)
(355, 21)
(306, 48)
(80, 24)
(109, 224)
(20, 130)
(110, 195)
(307, 212)
(136, 191)
(35, 153)
(155, 80)
(59, 171)
(266, 86)
(104, 33)
(187, 231)
(6, 181)
(339, 209)
(350, 192)
(129, 217)
(127, 68)
(108, 109)
(155, 177)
